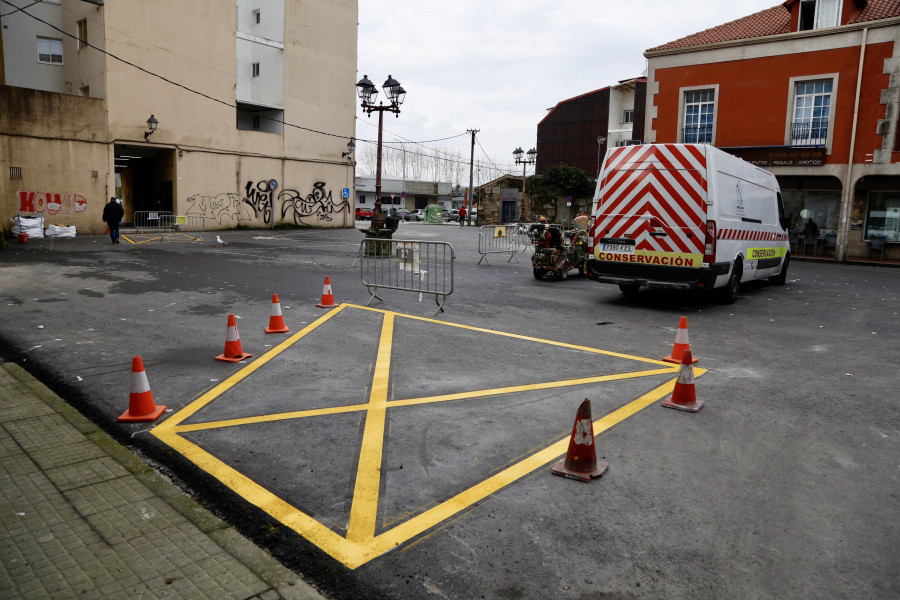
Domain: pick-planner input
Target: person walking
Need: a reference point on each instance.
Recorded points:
(112, 215)
(462, 216)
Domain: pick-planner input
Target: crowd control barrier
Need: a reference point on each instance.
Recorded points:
(151, 221)
(183, 227)
(412, 266)
(498, 239)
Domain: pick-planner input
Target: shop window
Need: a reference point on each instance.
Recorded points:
(813, 212)
(883, 216)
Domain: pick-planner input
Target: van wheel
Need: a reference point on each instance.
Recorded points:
(729, 293)
(781, 278)
(629, 289)
(538, 273)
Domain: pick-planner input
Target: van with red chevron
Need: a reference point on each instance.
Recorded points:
(686, 216)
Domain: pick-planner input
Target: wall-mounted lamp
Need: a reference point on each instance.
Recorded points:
(152, 124)
(351, 145)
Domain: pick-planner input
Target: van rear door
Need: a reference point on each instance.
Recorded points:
(652, 206)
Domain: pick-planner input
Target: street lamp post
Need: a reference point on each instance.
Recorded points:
(532, 158)
(367, 94)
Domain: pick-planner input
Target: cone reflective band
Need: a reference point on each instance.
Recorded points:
(581, 459)
(684, 396)
(327, 296)
(233, 351)
(276, 320)
(682, 343)
(140, 403)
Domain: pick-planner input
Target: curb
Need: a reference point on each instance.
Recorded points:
(288, 584)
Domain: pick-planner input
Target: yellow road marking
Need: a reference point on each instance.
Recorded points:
(364, 509)
(361, 544)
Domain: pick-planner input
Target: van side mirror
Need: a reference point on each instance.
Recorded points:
(789, 222)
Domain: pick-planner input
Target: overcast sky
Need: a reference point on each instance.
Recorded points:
(498, 65)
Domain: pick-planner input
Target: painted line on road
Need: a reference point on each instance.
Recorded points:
(361, 544)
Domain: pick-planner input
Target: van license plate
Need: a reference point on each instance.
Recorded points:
(617, 246)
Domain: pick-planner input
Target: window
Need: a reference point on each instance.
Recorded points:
(699, 111)
(883, 217)
(628, 116)
(812, 109)
(256, 121)
(255, 67)
(816, 14)
(50, 51)
(85, 91)
(256, 16)
(82, 33)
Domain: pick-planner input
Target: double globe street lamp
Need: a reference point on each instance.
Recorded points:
(532, 158)
(368, 93)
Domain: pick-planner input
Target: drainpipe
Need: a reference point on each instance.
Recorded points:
(847, 199)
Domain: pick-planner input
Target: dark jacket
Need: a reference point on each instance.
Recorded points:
(113, 213)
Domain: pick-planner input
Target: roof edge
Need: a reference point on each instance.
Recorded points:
(777, 37)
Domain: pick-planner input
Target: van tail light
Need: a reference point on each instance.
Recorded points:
(709, 251)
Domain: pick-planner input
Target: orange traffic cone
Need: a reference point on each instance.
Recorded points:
(684, 397)
(276, 320)
(233, 351)
(327, 297)
(682, 343)
(140, 404)
(581, 459)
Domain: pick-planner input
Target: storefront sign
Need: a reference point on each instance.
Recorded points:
(780, 156)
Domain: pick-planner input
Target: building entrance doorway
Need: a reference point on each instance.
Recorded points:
(145, 177)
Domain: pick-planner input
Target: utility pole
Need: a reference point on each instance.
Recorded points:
(471, 173)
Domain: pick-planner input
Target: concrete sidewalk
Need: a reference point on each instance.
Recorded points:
(82, 517)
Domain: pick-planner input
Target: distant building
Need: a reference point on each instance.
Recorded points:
(401, 193)
(577, 131)
(810, 90)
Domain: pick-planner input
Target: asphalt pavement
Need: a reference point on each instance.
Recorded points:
(379, 452)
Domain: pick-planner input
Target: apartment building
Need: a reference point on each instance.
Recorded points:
(238, 113)
(810, 90)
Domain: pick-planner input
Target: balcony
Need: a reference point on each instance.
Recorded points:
(809, 134)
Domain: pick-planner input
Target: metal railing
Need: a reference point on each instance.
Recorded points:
(809, 133)
(151, 221)
(498, 239)
(407, 265)
(189, 227)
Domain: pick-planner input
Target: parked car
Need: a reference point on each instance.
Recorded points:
(402, 213)
(417, 215)
(449, 215)
(364, 214)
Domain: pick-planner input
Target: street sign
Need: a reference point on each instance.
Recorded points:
(345, 193)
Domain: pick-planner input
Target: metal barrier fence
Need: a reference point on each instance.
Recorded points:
(498, 239)
(150, 221)
(412, 266)
(189, 227)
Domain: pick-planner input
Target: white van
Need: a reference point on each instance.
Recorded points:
(685, 216)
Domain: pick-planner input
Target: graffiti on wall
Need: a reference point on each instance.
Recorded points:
(221, 208)
(257, 197)
(256, 204)
(317, 203)
(51, 203)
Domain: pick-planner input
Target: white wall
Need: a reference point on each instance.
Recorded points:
(20, 53)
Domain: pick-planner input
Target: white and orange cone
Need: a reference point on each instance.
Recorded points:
(682, 343)
(581, 461)
(140, 403)
(684, 397)
(233, 351)
(327, 296)
(276, 320)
